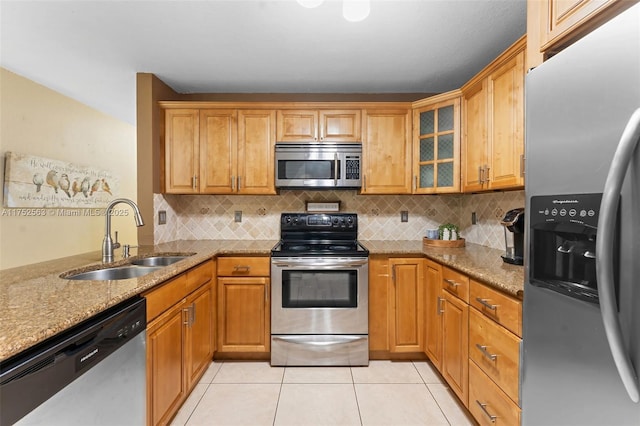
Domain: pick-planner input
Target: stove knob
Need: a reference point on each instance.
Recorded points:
(295, 220)
(335, 221)
(287, 219)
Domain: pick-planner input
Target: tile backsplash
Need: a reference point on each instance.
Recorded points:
(212, 216)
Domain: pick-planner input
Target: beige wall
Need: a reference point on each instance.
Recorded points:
(39, 121)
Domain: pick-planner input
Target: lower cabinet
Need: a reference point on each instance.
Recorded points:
(179, 340)
(244, 311)
(455, 338)
(473, 337)
(396, 300)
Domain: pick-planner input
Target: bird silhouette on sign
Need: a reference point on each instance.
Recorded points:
(105, 187)
(52, 180)
(84, 186)
(38, 180)
(75, 186)
(95, 187)
(65, 184)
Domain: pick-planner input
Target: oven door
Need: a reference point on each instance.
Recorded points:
(319, 295)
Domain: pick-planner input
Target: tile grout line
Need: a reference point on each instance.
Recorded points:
(275, 413)
(355, 393)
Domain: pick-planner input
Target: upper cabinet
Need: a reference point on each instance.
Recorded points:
(436, 145)
(386, 151)
(319, 125)
(219, 151)
(493, 124)
(554, 24)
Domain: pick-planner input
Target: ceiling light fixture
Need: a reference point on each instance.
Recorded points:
(352, 10)
(355, 10)
(310, 4)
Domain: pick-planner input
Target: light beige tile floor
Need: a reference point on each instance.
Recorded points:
(398, 393)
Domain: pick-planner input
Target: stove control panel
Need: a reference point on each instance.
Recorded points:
(318, 221)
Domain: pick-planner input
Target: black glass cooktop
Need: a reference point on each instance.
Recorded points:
(325, 248)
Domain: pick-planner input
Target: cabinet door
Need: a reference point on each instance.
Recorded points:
(181, 154)
(243, 314)
(474, 141)
(218, 140)
(256, 139)
(455, 340)
(406, 317)
(297, 125)
(199, 344)
(387, 152)
(436, 148)
(506, 106)
(433, 312)
(165, 365)
(340, 125)
(378, 304)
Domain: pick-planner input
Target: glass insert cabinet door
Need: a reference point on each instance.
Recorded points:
(437, 147)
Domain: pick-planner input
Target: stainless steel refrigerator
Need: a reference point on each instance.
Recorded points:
(581, 337)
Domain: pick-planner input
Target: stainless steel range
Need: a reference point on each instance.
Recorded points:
(320, 297)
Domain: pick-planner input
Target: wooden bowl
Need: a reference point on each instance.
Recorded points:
(428, 242)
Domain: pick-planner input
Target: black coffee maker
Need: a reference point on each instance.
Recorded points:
(513, 223)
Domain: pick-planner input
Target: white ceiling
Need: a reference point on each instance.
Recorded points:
(92, 50)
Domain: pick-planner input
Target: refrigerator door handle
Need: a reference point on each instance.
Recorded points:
(604, 249)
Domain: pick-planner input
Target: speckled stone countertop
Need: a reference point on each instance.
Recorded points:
(35, 303)
(478, 262)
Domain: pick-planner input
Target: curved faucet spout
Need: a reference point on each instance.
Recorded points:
(107, 243)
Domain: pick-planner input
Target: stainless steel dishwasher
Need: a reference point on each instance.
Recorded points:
(92, 374)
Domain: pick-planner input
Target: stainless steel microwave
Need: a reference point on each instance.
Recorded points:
(318, 165)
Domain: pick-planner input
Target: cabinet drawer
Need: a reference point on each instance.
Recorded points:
(496, 351)
(161, 298)
(199, 275)
(244, 266)
(487, 403)
(501, 308)
(455, 283)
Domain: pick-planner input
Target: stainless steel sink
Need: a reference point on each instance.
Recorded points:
(158, 260)
(117, 273)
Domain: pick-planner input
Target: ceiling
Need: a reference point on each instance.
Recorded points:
(92, 50)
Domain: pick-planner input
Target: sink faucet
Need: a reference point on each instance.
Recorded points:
(107, 243)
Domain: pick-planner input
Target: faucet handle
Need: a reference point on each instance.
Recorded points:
(116, 244)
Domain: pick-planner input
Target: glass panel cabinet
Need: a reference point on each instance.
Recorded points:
(436, 144)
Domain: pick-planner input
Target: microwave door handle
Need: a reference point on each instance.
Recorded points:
(335, 169)
(604, 253)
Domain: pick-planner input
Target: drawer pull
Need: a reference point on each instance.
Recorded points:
(452, 283)
(483, 407)
(486, 304)
(241, 268)
(485, 352)
(439, 306)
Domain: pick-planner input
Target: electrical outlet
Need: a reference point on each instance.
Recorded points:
(162, 217)
(474, 218)
(404, 216)
(237, 216)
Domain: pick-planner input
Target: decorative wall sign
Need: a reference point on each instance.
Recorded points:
(31, 181)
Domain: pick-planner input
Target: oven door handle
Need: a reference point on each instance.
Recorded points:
(309, 340)
(315, 263)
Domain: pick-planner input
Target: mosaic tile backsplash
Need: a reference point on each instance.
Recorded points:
(212, 216)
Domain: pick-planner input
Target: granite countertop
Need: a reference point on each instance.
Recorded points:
(478, 262)
(35, 303)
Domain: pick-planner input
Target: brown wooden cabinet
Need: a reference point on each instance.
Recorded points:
(436, 144)
(378, 307)
(319, 125)
(493, 124)
(181, 151)
(495, 329)
(386, 152)
(180, 344)
(406, 332)
(455, 340)
(219, 151)
(433, 312)
(244, 311)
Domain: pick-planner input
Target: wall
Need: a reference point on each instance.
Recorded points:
(39, 121)
(211, 216)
